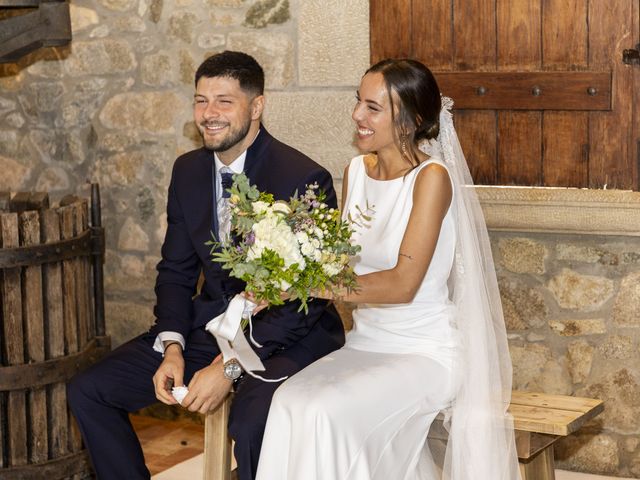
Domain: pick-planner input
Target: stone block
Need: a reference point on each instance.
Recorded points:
(523, 307)
(318, 123)
(158, 69)
(333, 42)
(101, 31)
(620, 392)
(14, 120)
(522, 255)
(126, 320)
(155, 10)
(579, 359)
(100, 57)
(121, 169)
(572, 328)
(82, 17)
(585, 293)
(14, 175)
(132, 237)
(265, 12)
(588, 453)
(78, 109)
(154, 112)
(626, 310)
(209, 40)
(618, 347)
(130, 24)
(182, 26)
(586, 254)
(53, 179)
(631, 257)
(9, 141)
(529, 362)
(119, 5)
(188, 68)
(274, 51)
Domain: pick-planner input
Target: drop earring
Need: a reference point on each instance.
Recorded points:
(403, 144)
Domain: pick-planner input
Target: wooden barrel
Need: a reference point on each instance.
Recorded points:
(51, 326)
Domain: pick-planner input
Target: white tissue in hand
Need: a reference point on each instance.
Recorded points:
(179, 393)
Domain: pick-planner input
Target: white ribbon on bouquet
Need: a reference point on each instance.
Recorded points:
(226, 328)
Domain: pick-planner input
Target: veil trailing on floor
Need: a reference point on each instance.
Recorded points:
(480, 443)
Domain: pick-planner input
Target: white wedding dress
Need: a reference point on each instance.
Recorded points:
(364, 411)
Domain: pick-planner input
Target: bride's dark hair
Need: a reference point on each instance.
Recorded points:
(416, 106)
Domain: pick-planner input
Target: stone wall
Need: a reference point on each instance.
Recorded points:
(115, 107)
(568, 265)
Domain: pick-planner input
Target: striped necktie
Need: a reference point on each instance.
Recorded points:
(224, 211)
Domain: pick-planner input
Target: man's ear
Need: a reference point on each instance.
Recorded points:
(257, 106)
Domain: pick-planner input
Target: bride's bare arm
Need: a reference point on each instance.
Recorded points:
(432, 195)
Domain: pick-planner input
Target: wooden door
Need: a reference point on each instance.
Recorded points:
(541, 92)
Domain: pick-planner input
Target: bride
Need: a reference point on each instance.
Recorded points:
(428, 332)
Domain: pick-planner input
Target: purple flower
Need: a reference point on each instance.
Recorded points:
(250, 238)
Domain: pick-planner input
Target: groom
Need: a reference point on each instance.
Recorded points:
(228, 106)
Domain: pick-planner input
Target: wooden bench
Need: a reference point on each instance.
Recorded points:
(539, 420)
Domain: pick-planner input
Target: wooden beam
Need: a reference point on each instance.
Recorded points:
(527, 90)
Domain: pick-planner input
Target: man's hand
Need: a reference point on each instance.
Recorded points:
(169, 374)
(207, 388)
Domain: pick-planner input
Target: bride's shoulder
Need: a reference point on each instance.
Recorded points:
(358, 162)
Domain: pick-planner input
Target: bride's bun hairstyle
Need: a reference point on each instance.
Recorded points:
(415, 95)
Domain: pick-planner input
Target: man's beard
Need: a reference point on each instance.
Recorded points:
(234, 137)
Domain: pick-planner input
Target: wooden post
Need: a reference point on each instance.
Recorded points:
(52, 275)
(217, 444)
(13, 345)
(29, 226)
(98, 260)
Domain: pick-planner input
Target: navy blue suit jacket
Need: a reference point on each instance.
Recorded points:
(275, 168)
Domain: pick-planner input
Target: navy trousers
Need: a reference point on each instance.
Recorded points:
(102, 396)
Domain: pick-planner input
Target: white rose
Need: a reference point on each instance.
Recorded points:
(281, 207)
(307, 250)
(284, 285)
(302, 238)
(331, 269)
(260, 207)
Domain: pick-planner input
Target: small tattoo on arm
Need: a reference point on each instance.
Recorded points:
(405, 255)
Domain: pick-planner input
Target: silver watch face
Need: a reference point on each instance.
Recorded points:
(232, 369)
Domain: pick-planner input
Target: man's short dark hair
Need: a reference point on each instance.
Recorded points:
(238, 65)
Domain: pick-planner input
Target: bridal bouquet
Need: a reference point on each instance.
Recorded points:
(295, 246)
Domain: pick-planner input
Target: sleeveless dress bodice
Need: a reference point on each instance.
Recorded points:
(363, 412)
(423, 326)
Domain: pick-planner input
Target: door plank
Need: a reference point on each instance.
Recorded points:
(432, 27)
(565, 136)
(474, 49)
(390, 32)
(519, 133)
(477, 132)
(610, 161)
(474, 35)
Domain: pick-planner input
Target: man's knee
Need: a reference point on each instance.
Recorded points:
(79, 389)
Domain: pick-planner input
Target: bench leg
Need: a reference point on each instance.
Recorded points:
(217, 444)
(539, 468)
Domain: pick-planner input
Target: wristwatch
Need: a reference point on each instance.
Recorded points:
(232, 369)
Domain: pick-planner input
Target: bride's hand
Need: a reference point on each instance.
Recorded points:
(262, 304)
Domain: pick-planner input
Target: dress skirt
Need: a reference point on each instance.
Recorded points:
(355, 415)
